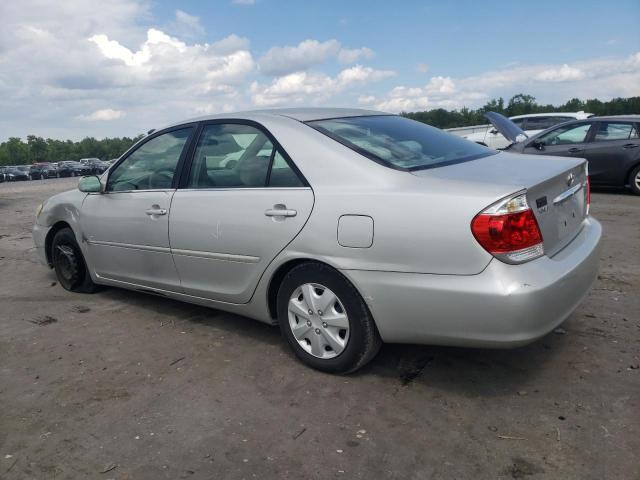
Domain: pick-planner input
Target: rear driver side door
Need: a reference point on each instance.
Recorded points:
(243, 202)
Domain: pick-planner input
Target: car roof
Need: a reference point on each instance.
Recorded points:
(627, 118)
(576, 115)
(300, 114)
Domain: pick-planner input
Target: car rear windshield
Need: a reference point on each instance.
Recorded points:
(399, 142)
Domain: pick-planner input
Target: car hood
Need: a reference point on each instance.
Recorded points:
(506, 127)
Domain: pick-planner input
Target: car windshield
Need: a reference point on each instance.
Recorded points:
(399, 142)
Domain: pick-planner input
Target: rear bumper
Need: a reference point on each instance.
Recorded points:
(504, 306)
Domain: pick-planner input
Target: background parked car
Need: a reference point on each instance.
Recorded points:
(98, 167)
(38, 171)
(610, 144)
(2, 174)
(73, 169)
(51, 170)
(531, 124)
(14, 174)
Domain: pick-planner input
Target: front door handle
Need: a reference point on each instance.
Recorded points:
(156, 211)
(631, 145)
(279, 211)
(575, 150)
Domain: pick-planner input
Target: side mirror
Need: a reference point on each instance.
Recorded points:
(90, 184)
(537, 144)
(493, 131)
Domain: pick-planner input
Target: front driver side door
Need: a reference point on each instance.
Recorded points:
(564, 141)
(126, 228)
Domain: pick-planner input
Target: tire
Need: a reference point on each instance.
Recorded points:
(634, 180)
(318, 343)
(69, 264)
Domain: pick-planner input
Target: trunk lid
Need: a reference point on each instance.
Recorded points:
(556, 189)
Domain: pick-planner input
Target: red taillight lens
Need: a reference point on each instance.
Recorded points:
(506, 233)
(509, 230)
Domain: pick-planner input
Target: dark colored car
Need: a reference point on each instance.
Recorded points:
(38, 171)
(51, 170)
(3, 177)
(98, 167)
(610, 144)
(19, 173)
(73, 169)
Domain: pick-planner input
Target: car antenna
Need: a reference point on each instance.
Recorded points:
(151, 131)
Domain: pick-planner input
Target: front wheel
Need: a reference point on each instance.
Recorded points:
(69, 264)
(634, 180)
(325, 320)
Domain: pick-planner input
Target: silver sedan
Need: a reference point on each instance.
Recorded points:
(348, 228)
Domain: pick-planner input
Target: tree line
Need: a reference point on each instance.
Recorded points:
(15, 151)
(522, 104)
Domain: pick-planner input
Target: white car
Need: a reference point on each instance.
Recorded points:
(532, 124)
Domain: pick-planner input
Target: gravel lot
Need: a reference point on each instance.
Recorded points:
(128, 386)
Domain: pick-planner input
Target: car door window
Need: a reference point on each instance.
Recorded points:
(566, 135)
(238, 156)
(151, 166)
(615, 131)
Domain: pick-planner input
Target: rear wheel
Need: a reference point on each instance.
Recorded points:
(69, 264)
(324, 319)
(634, 180)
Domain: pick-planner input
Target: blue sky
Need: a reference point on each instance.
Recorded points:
(69, 69)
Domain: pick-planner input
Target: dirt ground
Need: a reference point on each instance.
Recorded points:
(121, 385)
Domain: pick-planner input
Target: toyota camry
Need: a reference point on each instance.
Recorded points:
(347, 228)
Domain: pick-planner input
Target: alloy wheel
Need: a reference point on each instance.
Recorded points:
(318, 320)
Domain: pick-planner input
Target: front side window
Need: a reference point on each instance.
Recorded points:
(615, 131)
(151, 166)
(566, 135)
(238, 156)
(399, 142)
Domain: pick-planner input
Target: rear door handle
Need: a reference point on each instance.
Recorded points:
(280, 212)
(575, 150)
(631, 145)
(156, 211)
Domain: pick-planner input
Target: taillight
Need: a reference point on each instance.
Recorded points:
(509, 231)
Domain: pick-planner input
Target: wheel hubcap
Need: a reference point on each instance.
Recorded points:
(67, 263)
(637, 180)
(318, 320)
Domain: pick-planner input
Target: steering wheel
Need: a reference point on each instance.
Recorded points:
(161, 179)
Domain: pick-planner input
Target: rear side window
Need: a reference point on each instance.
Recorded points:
(400, 143)
(615, 131)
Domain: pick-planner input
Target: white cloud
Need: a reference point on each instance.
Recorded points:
(347, 55)
(188, 25)
(310, 87)
(595, 78)
(290, 59)
(104, 114)
(283, 60)
(562, 74)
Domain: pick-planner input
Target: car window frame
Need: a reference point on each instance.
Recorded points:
(177, 176)
(183, 183)
(626, 122)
